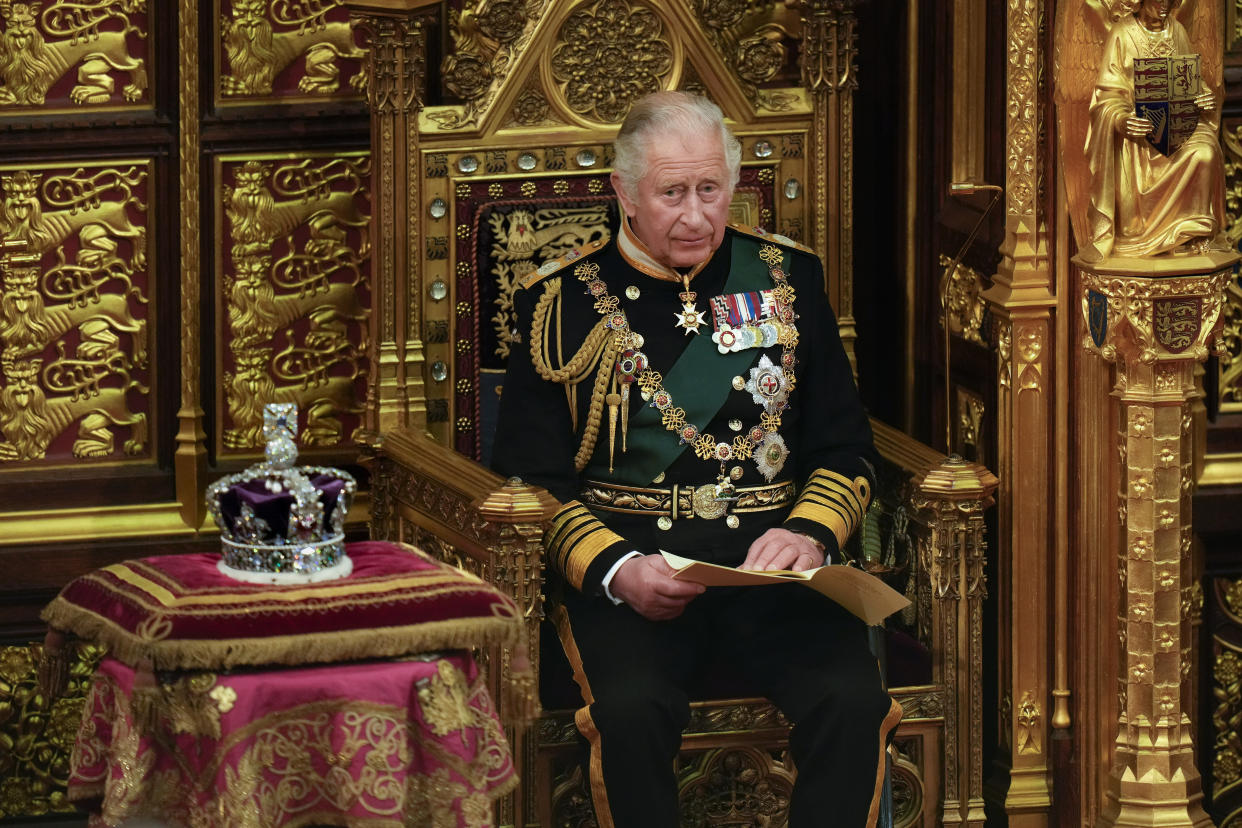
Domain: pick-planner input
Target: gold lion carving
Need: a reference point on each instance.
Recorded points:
(250, 387)
(256, 313)
(22, 216)
(257, 54)
(30, 64)
(27, 325)
(29, 421)
(258, 219)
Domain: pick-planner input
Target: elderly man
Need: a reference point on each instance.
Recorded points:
(684, 388)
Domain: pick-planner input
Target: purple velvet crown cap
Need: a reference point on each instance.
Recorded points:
(274, 508)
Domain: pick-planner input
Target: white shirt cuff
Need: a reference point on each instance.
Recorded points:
(613, 571)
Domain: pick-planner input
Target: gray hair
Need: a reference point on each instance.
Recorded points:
(661, 113)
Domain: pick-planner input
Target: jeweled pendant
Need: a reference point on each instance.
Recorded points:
(689, 319)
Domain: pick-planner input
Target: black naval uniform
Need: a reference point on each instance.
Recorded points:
(801, 649)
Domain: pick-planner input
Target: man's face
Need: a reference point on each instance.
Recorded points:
(681, 205)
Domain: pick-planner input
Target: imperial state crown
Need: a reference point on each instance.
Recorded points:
(281, 523)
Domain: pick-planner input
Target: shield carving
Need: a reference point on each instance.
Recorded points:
(1097, 316)
(1164, 93)
(1176, 322)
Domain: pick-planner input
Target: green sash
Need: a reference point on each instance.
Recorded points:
(699, 382)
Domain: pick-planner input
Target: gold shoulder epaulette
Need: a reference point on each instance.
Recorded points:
(760, 233)
(548, 268)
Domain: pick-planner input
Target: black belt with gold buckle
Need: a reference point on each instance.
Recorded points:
(686, 501)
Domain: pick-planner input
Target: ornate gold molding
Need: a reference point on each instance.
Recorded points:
(1155, 330)
(396, 43)
(489, 40)
(829, 49)
(1229, 378)
(39, 732)
(608, 55)
(1021, 299)
(190, 458)
(753, 44)
(962, 290)
(954, 496)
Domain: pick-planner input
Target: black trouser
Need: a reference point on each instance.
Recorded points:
(800, 649)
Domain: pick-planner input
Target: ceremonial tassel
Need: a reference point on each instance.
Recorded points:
(625, 415)
(614, 401)
(144, 700)
(53, 665)
(519, 704)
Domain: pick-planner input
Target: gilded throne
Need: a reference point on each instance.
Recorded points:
(508, 169)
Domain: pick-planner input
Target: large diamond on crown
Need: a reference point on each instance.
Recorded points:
(281, 523)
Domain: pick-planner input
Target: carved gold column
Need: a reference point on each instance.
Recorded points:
(828, 72)
(395, 37)
(516, 516)
(1154, 326)
(956, 494)
(190, 458)
(1021, 301)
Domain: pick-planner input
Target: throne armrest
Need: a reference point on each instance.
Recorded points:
(454, 508)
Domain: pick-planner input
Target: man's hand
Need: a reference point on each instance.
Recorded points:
(1135, 128)
(1206, 101)
(646, 583)
(782, 549)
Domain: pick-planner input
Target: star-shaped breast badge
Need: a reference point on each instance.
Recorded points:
(690, 318)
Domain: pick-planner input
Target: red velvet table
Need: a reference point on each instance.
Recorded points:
(397, 743)
(346, 702)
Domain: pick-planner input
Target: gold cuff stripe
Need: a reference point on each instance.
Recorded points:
(847, 517)
(856, 488)
(824, 516)
(586, 552)
(572, 514)
(832, 500)
(575, 542)
(849, 504)
(576, 539)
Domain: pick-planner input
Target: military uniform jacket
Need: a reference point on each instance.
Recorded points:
(809, 467)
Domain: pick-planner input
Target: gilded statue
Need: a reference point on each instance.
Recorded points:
(1139, 87)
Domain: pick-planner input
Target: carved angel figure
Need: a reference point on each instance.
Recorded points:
(1126, 197)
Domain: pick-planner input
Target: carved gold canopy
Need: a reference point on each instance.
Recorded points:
(505, 161)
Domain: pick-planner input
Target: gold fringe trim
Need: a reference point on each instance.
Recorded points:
(341, 645)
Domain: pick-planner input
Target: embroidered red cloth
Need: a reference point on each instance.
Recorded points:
(180, 612)
(376, 744)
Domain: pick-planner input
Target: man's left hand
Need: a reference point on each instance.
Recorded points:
(782, 549)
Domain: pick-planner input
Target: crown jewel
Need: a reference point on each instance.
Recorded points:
(281, 523)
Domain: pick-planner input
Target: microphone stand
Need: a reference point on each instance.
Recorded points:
(956, 189)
